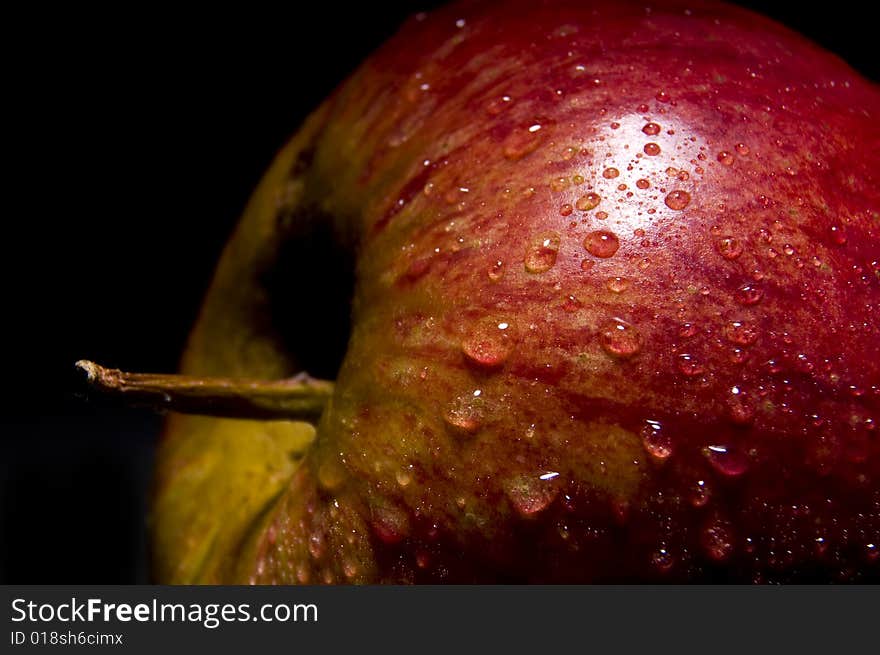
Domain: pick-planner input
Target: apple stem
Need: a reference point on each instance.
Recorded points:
(299, 398)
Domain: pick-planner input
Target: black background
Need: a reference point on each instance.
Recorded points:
(134, 141)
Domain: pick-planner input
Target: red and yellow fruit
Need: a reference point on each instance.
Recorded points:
(617, 279)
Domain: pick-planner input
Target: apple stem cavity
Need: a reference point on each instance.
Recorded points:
(298, 398)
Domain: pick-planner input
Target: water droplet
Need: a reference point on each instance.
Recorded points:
(498, 105)
(571, 304)
(655, 441)
(643, 183)
(717, 539)
(601, 216)
(729, 247)
(618, 284)
(558, 184)
(349, 568)
(662, 96)
(531, 494)
(523, 141)
(620, 339)
(542, 252)
(404, 477)
(566, 209)
(651, 149)
(725, 158)
(390, 524)
(662, 560)
(872, 552)
(741, 333)
(651, 129)
(602, 243)
(317, 546)
(727, 460)
(687, 330)
(689, 366)
(678, 200)
(699, 493)
(487, 346)
(331, 472)
(610, 173)
(587, 202)
(587, 264)
(496, 271)
(738, 356)
(749, 294)
(742, 149)
(838, 236)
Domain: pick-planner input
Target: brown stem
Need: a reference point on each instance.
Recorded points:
(299, 398)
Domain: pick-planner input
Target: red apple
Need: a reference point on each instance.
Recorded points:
(617, 280)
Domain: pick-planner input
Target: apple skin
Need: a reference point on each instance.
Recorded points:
(615, 314)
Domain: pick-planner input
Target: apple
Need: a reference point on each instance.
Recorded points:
(615, 280)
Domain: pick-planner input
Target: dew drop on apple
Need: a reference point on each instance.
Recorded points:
(729, 247)
(496, 271)
(618, 284)
(687, 330)
(331, 472)
(620, 339)
(717, 539)
(498, 105)
(531, 494)
(699, 493)
(349, 568)
(542, 252)
(465, 413)
(749, 294)
(741, 333)
(610, 173)
(727, 460)
(725, 158)
(677, 200)
(837, 235)
(317, 545)
(651, 149)
(688, 365)
(403, 477)
(662, 560)
(742, 149)
(651, 129)
(602, 243)
(523, 141)
(643, 183)
(487, 346)
(588, 201)
(571, 304)
(655, 440)
(390, 524)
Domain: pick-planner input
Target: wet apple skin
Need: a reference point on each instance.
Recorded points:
(615, 307)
